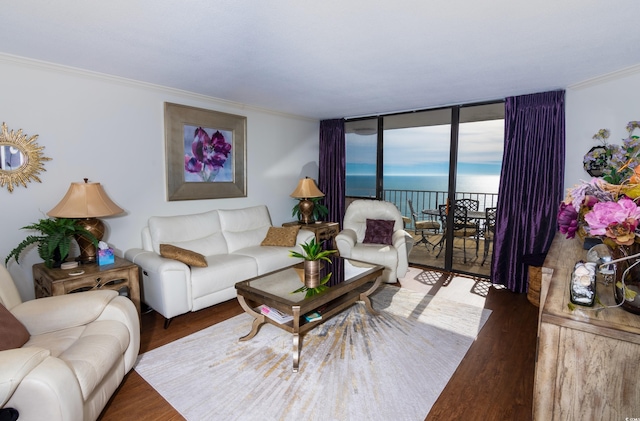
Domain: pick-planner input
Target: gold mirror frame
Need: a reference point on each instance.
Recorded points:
(32, 163)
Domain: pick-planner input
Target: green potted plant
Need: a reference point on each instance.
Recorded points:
(313, 254)
(319, 210)
(54, 242)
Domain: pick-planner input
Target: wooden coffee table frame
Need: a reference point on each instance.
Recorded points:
(334, 300)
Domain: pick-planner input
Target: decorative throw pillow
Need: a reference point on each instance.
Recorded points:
(13, 334)
(283, 237)
(379, 231)
(187, 257)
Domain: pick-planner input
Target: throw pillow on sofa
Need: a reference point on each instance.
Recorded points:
(13, 334)
(187, 257)
(283, 237)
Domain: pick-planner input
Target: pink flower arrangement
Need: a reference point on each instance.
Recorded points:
(617, 220)
(601, 211)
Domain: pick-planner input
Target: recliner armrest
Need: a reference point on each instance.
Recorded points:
(165, 283)
(50, 314)
(345, 241)
(401, 238)
(15, 364)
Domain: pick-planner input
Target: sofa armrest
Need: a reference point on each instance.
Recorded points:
(51, 314)
(304, 236)
(345, 241)
(166, 283)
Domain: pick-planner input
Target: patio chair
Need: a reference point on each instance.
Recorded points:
(489, 231)
(463, 227)
(423, 227)
(472, 205)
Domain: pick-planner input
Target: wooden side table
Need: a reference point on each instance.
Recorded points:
(323, 230)
(116, 276)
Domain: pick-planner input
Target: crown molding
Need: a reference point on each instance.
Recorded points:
(618, 74)
(77, 72)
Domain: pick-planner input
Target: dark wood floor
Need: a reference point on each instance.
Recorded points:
(493, 382)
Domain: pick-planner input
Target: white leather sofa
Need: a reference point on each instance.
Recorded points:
(79, 348)
(229, 240)
(352, 241)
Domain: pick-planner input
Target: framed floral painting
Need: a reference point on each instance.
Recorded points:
(206, 153)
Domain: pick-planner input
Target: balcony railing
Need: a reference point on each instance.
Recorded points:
(432, 199)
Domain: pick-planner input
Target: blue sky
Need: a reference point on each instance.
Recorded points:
(425, 150)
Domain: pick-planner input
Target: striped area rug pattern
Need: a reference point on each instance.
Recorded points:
(355, 366)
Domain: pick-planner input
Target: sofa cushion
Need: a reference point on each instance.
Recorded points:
(187, 257)
(244, 227)
(200, 233)
(13, 334)
(379, 231)
(269, 259)
(282, 237)
(224, 271)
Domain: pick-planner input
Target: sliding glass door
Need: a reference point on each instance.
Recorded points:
(478, 161)
(423, 162)
(416, 151)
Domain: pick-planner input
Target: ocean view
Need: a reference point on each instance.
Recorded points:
(484, 188)
(364, 185)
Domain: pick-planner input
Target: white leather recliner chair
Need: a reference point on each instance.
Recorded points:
(352, 241)
(79, 348)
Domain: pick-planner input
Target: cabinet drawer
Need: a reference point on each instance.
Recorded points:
(108, 280)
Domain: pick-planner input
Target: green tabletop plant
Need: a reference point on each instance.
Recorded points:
(54, 241)
(313, 252)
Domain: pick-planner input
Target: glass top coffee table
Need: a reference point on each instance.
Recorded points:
(348, 284)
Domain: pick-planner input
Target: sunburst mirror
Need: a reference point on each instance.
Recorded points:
(21, 159)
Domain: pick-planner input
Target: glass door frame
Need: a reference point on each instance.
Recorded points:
(452, 175)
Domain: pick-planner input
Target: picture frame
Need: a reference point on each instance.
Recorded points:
(205, 153)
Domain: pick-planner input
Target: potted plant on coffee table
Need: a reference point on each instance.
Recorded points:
(54, 241)
(313, 255)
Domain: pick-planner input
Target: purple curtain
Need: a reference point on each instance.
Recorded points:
(531, 185)
(331, 171)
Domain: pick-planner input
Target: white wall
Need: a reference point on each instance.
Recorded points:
(111, 131)
(607, 102)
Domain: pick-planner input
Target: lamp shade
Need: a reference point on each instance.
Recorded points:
(306, 188)
(85, 200)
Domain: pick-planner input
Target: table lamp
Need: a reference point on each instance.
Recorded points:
(306, 190)
(86, 202)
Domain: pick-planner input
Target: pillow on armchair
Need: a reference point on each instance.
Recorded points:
(378, 231)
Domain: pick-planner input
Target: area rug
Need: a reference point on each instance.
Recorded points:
(354, 366)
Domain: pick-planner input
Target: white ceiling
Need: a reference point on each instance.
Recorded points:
(333, 58)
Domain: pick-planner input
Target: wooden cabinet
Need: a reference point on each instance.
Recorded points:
(324, 231)
(122, 276)
(587, 360)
